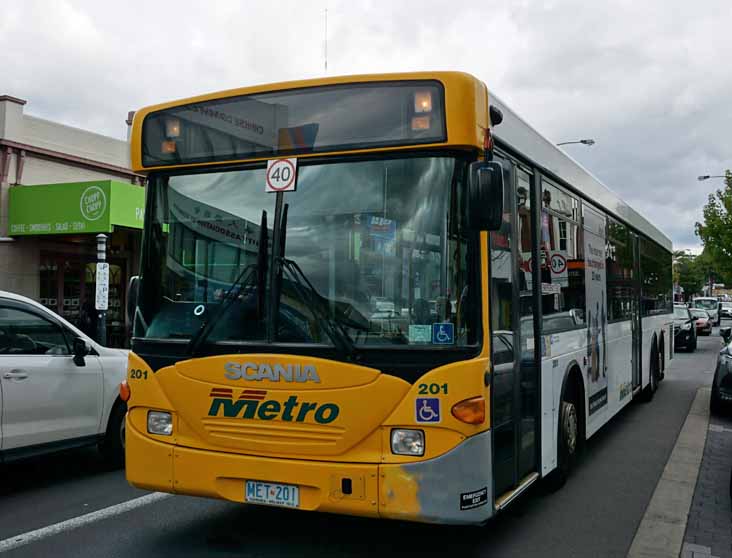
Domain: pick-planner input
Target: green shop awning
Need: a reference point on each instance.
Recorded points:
(75, 208)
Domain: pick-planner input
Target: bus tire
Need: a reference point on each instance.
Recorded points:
(650, 389)
(662, 359)
(113, 445)
(569, 437)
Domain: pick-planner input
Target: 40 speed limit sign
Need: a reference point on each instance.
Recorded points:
(281, 175)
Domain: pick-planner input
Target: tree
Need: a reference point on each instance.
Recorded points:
(689, 273)
(716, 231)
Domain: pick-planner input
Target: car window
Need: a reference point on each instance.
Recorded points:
(706, 303)
(681, 312)
(699, 314)
(24, 333)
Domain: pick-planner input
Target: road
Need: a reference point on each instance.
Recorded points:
(595, 514)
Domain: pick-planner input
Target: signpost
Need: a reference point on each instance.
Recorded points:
(102, 293)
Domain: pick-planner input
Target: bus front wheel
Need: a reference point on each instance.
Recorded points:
(568, 443)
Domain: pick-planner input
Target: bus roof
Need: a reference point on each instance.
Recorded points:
(516, 134)
(465, 108)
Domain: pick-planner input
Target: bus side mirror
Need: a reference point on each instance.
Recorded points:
(485, 196)
(132, 291)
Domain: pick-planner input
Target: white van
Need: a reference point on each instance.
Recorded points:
(60, 389)
(709, 303)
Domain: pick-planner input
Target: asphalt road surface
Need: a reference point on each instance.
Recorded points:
(68, 505)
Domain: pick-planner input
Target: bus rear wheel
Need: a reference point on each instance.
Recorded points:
(652, 386)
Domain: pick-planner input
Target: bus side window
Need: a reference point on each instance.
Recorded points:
(562, 260)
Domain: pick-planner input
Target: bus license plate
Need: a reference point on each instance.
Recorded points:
(273, 494)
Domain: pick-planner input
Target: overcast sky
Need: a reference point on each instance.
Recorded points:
(649, 81)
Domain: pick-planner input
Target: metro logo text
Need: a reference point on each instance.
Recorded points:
(252, 404)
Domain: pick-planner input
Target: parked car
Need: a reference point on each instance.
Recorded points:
(60, 389)
(684, 330)
(702, 320)
(710, 304)
(722, 383)
(726, 310)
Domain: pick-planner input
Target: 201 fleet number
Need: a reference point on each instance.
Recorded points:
(138, 374)
(434, 389)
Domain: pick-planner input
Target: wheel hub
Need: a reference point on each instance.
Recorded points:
(569, 426)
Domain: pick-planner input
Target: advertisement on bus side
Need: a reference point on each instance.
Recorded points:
(596, 313)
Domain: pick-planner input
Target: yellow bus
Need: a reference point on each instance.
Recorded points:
(379, 295)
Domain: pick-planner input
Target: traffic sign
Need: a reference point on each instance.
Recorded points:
(281, 175)
(102, 294)
(558, 263)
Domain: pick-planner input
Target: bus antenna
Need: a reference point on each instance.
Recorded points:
(326, 40)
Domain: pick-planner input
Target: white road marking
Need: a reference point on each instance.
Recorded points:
(76, 522)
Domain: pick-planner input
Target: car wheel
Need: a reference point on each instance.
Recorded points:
(113, 446)
(715, 403)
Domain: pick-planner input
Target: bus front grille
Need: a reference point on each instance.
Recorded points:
(272, 433)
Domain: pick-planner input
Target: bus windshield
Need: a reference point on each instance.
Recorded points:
(376, 247)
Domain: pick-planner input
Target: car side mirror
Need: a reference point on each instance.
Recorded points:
(726, 333)
(81, 349)
(485, 196)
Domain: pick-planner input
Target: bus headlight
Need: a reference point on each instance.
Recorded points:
(405, 441)
(160, 423)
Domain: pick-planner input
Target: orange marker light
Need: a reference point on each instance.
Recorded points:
(124, 391)
(470, 411)
(420, 123)
(172, 128)
(168, 146)
(423, 101)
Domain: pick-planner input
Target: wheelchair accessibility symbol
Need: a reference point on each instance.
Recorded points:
(443, 334)
(428, 409)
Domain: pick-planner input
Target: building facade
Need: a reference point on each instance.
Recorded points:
(59, 187)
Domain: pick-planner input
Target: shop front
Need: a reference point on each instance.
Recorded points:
(59, 222)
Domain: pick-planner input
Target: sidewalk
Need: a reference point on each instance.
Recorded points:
(709, 527)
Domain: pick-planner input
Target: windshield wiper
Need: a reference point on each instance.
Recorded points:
(318, 305)
(305, 289)
(206, 328)
(258, 270)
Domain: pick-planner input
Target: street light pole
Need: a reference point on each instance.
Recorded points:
(704, 177)
(582, 141)
(102, 284)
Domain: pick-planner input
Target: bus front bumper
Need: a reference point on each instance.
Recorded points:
(454, 488)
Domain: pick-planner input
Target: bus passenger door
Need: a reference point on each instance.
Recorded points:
(514, 392)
